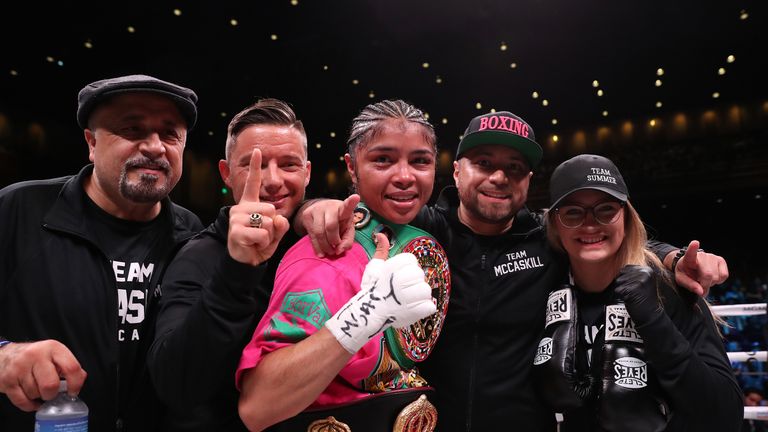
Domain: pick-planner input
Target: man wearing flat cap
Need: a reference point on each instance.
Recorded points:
(81, 257)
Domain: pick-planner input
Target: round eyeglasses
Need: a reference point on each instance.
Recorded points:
(573, 216)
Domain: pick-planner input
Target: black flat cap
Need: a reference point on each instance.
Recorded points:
(97, 92)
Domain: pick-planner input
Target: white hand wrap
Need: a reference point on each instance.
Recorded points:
(393, 293)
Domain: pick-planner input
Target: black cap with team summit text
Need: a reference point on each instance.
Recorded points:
(586, 171)
(502, 128)
(97, 92)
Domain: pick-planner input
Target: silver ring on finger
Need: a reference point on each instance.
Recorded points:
(255, 220)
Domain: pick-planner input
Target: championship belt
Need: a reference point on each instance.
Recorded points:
(396, 411)
(414, 343)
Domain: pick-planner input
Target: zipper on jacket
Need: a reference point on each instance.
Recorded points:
(115, 304)
(473, 367)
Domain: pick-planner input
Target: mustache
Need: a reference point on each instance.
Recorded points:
(145, 162)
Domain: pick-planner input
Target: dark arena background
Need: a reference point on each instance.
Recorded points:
(675, 92)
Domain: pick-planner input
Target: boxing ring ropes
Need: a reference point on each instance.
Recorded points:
(758, 412)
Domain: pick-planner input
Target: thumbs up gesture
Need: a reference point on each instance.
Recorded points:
(393, 293)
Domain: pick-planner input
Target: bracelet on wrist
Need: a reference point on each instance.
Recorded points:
(680, 253)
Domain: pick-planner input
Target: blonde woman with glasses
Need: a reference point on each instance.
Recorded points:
(624, 349)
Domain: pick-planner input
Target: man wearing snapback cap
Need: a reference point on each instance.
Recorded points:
(502, 270)
(82, 256)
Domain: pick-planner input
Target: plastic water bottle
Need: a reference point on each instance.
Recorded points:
(64, 413)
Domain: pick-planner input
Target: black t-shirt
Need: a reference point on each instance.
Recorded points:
(591, 313)
(591, 320)
(134, 250)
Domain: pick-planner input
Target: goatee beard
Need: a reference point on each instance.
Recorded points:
(146, 189)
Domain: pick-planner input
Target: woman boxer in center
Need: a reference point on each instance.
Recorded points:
(327, 345)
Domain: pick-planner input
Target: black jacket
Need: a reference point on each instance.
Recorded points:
(481, 364)
(686, 352)
(209, 309)
(55, 283)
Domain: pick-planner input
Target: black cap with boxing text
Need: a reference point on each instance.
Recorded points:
(586, 171)
(97, 92)
(501, 128)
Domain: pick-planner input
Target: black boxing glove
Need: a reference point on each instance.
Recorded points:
(629, 398)
(555, 373)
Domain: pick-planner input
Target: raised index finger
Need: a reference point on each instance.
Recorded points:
(689, 259)
(348, 207)
(253, 181)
